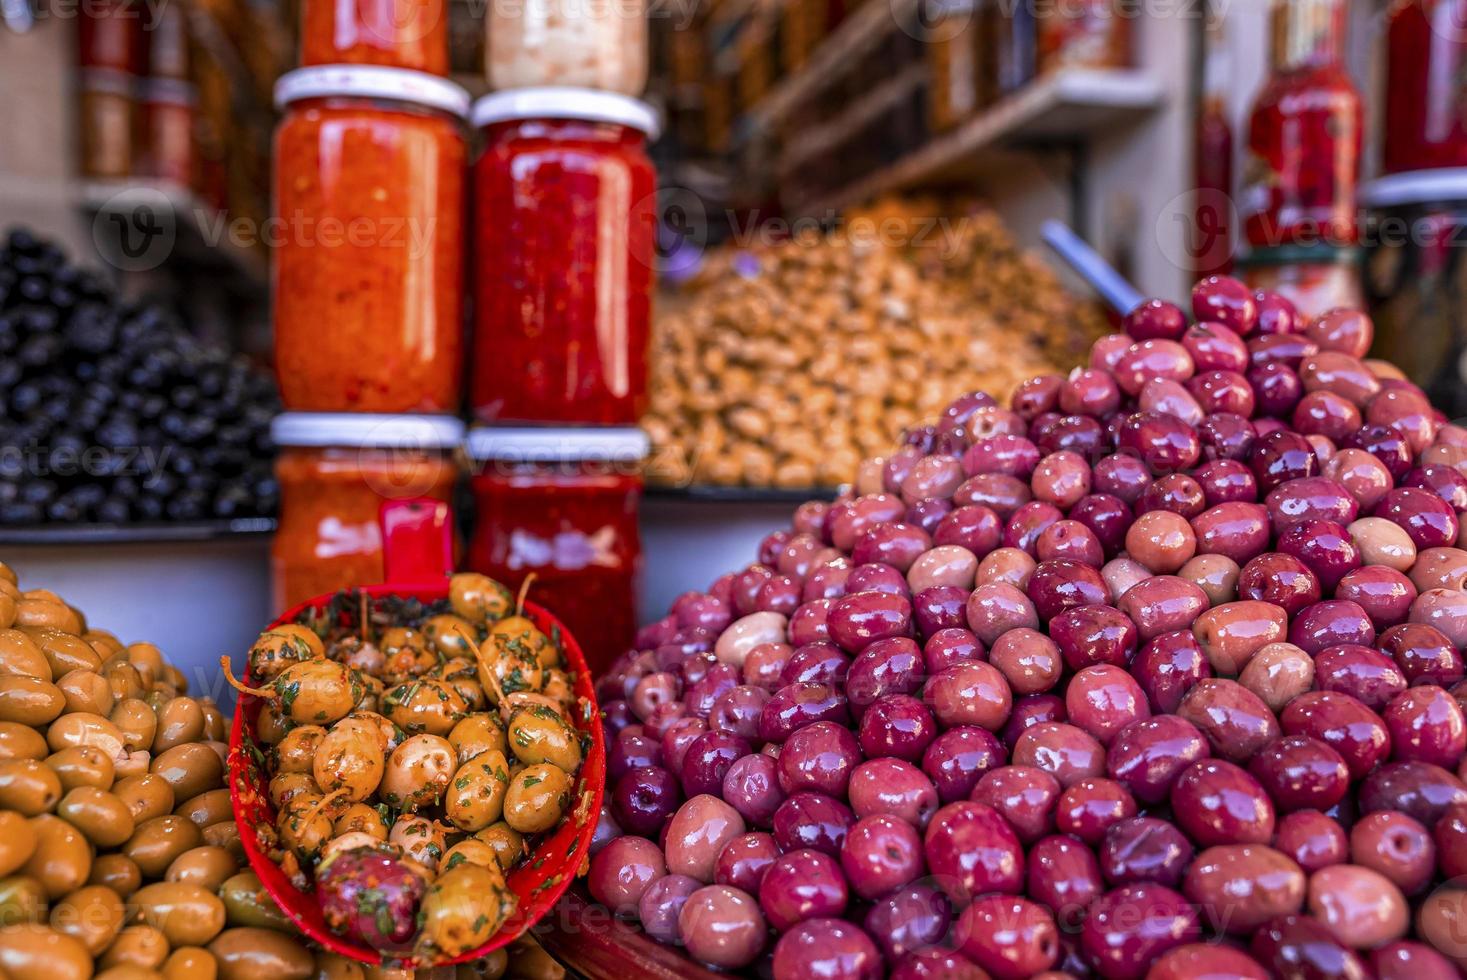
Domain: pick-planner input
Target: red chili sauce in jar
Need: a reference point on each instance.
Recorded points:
(563, 254)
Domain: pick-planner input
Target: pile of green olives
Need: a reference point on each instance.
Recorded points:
(439, 733)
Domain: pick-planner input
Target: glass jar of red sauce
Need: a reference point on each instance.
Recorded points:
(110, 35)
(409, 34)
(562, 505)
(1304, 136)
(1426, 86)
(563, 252)
(335, 470)
(168, 121)
(368, 233)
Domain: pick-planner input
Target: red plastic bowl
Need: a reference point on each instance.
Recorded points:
(539, 880)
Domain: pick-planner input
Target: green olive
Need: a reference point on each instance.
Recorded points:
(28, 786)
(508, 843)
(20, 656)
(19, 741)
(349, 757)
(85, 690)
(296, 752)
(519, 633)
(538, 796)
(30, 700)
(158, 842)
(418, 772)
(30, 951)
(83, 765)
(92, 915)
(17, 841)
(190, 769)
(207, 808)
(472, 850)
(451, 636)
(22, 899)
(247, 903)
(100, 815)
(305, 823)
(118, 872)
(287, 785)
(204, 865)
(86, 728)
(361, 818)
(188, 914)
(137, 722)
(282, 647)
(62, 859)
(311, 692)
(136, 946)
(475, 798)
(537, 734)
(261, 954)
(420, 839)
(508, 666)
(180, 720)
(424, 705)
(478, 598)
(462, 909)
(147, 796)
(477, 733)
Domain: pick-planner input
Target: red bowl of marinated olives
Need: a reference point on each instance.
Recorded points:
(416, 771)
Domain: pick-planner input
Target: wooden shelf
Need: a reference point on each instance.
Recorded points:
(844, 127)
(853, 37)
(1067, 107)
(202, 234)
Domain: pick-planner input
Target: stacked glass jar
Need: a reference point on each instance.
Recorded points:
(1299, 200)
(565, 218)
(368, 233)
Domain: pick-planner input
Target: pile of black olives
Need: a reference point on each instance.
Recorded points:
(111, 412)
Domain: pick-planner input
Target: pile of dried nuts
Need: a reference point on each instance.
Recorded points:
(120, 856)
(786, 363)
(412, 750)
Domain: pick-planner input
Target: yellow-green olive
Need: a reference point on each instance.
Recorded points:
(19, 741)
(158, 842)
(180, 720)
(225, 835)
(85, 690)
(175, 679)
(17, 841)
(147, 796)
(126, 681)
(30, 951)
(281, 647)
(520, 635)
(93, 915)
(361, 818)
(287, 785)
(85, 728)
(462, 909)
(424, 706)
(190, 963)
(62, 859)
(271, 726)
(66, 652)
(508, 843)
(472, 850)
(333, 966)
(148, 660)
(118, 872)
(207, 809)
(352, 840)
(30, 700)
(311, 692)
(418, 772)
(205, 866)
(479, 598)
(83, 765)
(189, 769)
(491, 966)
(350, 758)
(188, 914)
(372, 689)
(28, 786)
(22, 899)
(451, 635)
(389, 736)
(305, 823)
(295, 752)
(136, 721)
(216, 728)
(422, 840)
(507, 666)
(247, 903)
(261, 954)
(475, 797)
(537, 734)
(139, 945)
(100, 815)
(538, 796)
(477, 733)
(20, 656)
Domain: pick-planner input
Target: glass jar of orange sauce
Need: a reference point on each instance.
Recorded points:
(335, 471)
(561, 504)
(368, 240)
(392, 33)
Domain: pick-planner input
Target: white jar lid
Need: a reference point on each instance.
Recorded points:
(359, 430)
(535, 445)
(566, 102)
(1416, 187)
(372, 82)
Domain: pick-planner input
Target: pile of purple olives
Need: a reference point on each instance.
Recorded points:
(1155, 673)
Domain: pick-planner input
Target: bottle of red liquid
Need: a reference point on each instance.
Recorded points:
(1304, 136)
(1211, 244)
(1426, 86)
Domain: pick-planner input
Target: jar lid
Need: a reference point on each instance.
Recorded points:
(1416, 187)
(372, 82)
(532, 445)
(366, 431)
(170, 91)
(565, 102)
